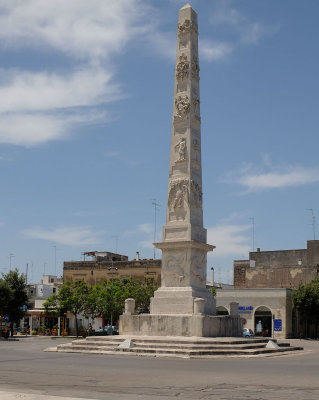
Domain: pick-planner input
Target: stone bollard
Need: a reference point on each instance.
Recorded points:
(199, 305)
(233, 306)
(129, 307)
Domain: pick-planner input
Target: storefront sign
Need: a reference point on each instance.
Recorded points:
(277, 325)
(245, 309)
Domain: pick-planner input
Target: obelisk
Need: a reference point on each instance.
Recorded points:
(184, 247)
(182, 306)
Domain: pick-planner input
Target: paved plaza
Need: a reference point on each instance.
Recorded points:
(29, 373)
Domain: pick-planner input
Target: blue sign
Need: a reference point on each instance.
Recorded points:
(245, 309)
(277, 325)
(6, 318)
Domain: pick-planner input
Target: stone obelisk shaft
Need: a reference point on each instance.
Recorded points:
(184, 216)
(183, 245)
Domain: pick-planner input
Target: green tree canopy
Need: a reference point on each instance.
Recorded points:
(71, 297)
(14, 284)
(100, 300)
(306, 300)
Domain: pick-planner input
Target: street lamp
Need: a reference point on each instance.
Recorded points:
(112, 268)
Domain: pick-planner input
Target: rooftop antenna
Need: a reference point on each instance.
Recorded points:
(253, 224)
(10, 257)
(54, 259)
(116, 238)
(156, 205)
(313, 222)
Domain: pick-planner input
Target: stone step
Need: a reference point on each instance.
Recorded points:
(175, 352)
(176, 347)
(169, 345)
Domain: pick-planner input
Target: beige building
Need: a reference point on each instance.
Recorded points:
(267, 312)
(105, 265)
(278, 269)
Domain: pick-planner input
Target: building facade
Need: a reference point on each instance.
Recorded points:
(278, 269)
(95, 271)
(267, 312)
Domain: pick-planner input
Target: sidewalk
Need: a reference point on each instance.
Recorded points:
(5, 395)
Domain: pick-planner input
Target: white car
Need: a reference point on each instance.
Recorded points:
(247, 332)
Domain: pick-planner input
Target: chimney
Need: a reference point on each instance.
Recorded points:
(212, 276)
(137, 256)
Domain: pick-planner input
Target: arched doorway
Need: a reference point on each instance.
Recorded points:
(220, 310)
(263, 321)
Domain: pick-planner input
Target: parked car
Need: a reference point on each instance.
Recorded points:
(247, 332)
(107, 330)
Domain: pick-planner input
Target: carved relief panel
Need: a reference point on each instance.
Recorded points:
(182, 67)
(182, 106)
(186, 27)
(180, 148)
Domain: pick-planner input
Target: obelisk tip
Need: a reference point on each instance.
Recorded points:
(187, 5)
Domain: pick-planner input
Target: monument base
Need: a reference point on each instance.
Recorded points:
(181, 300)
(180, 325)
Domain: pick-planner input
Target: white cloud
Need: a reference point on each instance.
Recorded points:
(269, 177)
(229, 239)
(38, 106)
(81, 29)
(214, 51)
(68, 236)
(245, 30)
(31, 129)
(42, 91)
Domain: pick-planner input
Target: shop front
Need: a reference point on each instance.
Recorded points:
(267, 312)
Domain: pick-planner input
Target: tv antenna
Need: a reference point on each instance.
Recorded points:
(313, 222)
(253, 224)
(156, 206)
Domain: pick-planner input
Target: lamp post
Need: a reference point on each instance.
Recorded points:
(112, 268)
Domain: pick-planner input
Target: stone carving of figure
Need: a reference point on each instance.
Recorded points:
(182, 67)
(182, 106)
(180, 197)
(178, 193)
(181, 149)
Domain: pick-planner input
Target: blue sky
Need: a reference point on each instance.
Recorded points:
(86, 95)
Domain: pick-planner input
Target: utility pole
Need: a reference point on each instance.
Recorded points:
(54, 259)
(26, 274)
(115, 237)
(156, 205)
(253, 224)
(112, 268)
(313, 222)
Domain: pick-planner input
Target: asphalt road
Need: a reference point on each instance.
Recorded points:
(25, 368)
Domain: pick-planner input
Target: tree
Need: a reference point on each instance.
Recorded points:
(306, 301)
(5, 298)
(19, 297)
(71, 297)
(109, 299)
